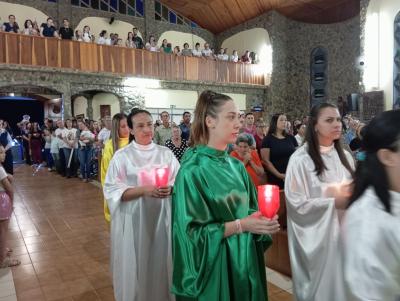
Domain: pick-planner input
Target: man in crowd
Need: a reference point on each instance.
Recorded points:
(11, 25)
(185, 126)
(48, 29)
(164, 131)
(136, 39)
(249, 126)
(66, 32)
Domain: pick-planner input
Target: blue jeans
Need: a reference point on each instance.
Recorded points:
(49, 158)
(85, 157)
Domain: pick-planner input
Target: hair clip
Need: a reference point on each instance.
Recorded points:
(361, 156)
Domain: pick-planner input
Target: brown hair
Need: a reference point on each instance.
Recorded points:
(116, 120)
(208, 104)
(313, 143)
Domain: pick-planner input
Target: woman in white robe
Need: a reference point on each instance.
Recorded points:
(141, 258)
(371, 228)
(317, 188)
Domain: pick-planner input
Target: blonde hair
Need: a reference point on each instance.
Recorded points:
(208, 104)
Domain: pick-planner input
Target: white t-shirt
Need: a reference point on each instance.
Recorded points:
(54, 146)
(3, 175)
(48, 141)
(101, 41)
(87, 37)
(234, 58)
(61, 143)
(104, 135)
(70, 134)
(196, 52)
(206, 52)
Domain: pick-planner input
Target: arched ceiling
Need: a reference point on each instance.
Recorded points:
(220, 15)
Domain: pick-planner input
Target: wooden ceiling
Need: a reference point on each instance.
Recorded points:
(220, 15)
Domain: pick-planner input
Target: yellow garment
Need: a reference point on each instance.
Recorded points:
(107, 155)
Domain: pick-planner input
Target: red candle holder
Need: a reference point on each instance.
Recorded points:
(162, 175)
(268, 200)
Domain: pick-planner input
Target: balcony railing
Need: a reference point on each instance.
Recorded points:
(90, 57)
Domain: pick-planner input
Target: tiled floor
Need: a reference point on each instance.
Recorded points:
(59, 234)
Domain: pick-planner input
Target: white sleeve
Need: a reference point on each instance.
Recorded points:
(3, 173)
(115, 184)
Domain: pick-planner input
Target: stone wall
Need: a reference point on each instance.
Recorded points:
(292, 44)
(71, 83)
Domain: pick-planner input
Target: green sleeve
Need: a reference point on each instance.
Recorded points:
(197, 237)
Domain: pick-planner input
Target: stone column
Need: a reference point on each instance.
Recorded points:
(89, 109)
(149, 19)
(64, 10)
(67, 105)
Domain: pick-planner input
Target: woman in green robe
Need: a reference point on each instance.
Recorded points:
(218, 235)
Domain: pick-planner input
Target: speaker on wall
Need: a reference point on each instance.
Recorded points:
(318, 76)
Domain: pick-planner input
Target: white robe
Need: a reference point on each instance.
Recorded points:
(313, 225)
(141, 254)
(372, 249)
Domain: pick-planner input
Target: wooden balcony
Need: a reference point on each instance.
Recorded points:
(90, 57)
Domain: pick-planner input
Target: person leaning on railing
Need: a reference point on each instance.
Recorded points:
(11, 25)
(47, 29)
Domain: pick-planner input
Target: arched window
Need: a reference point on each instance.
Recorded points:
(396, 74)
(318, 80)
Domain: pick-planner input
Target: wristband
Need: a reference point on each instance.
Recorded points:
(239, 229)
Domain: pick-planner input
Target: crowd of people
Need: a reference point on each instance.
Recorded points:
(133, 40)
(182, 200)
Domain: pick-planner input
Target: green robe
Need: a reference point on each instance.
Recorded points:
(212, 188)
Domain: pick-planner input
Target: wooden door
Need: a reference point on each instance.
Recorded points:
(105, 110)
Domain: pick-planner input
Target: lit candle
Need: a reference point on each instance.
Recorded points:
(268, 200)
(162, 175)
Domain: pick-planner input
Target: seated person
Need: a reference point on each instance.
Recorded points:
(245, 153)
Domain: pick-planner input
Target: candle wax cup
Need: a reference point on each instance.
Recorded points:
(268, 200)
(162, 175)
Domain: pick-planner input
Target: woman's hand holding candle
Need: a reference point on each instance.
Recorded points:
(259, 224)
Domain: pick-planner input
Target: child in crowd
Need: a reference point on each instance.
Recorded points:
(47, 149)
(6, 206)
(55, 151)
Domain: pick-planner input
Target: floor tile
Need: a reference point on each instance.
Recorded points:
(280, 280)
(34, 294)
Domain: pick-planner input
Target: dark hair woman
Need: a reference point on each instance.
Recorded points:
(217, 253)
(276, 149)
(372, 223)
(317, 188)
(140, 209)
